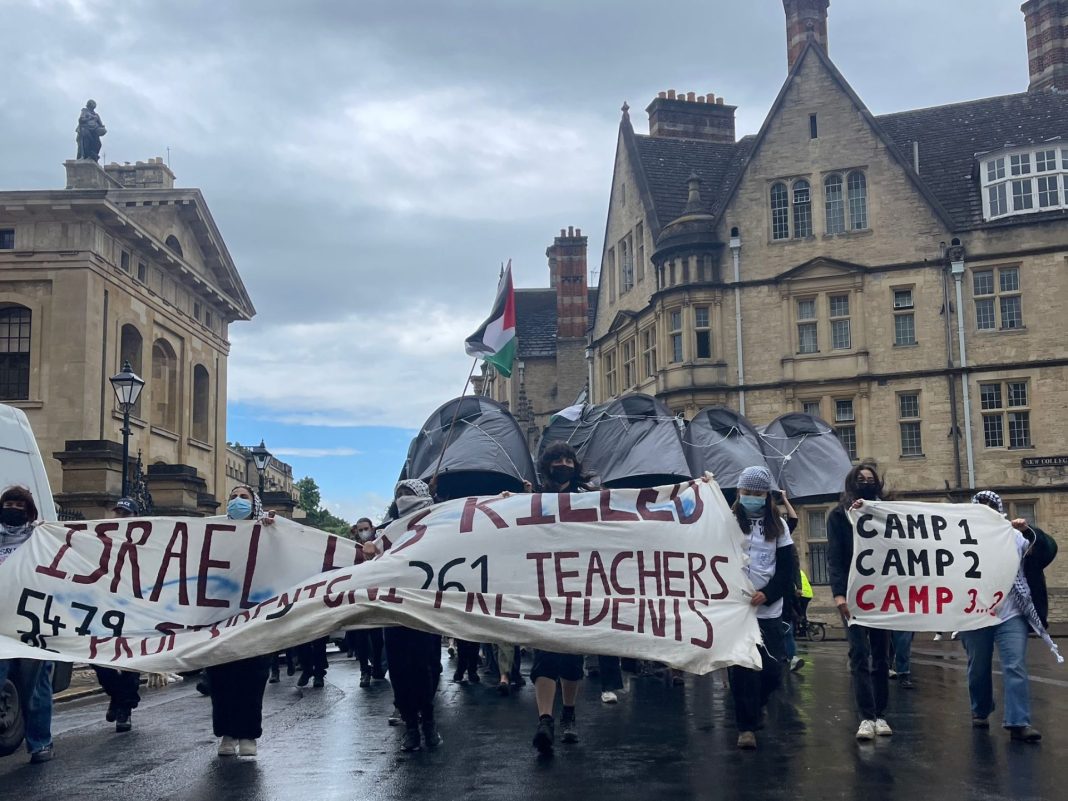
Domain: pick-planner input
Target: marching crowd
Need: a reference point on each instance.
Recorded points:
(413, 659)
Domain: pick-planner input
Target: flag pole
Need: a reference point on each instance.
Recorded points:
(452, 425)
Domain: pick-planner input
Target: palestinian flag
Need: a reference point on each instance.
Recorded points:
(494, 341)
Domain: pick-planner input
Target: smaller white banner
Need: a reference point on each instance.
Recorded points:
(930, 566)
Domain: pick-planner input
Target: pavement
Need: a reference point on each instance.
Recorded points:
(659, 742)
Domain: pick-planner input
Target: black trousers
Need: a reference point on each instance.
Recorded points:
(414, 670)
(466, 656)
(312, 656)
(368, 645)
(869, 662)
(237, 697)
(751, 689)
(121, 686)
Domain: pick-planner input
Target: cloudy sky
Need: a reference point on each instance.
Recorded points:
(372, 162)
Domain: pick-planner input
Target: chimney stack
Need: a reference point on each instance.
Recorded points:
(1047, 43)
(687, 115)
(805, 20)
(567, 274)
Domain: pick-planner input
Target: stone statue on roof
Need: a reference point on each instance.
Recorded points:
(90, 129)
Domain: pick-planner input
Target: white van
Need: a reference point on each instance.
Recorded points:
(21, 462)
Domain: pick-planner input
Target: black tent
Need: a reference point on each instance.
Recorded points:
(721, 441)
(486, 452)
(805, 456)
(632, 441)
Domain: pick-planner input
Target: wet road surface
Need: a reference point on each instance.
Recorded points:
(659, 742)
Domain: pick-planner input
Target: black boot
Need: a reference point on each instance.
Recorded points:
(430, 733)
(365, 679)
(546, 733)
(411, 740)
(122, 720)
(274, 675)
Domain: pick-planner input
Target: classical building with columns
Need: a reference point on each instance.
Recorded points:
(120, 265)
(903, 276)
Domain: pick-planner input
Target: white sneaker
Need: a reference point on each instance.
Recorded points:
(866, 730)
(609, 697)
(882, 728)
(227, 746)
(938, 636)
(796, 663)
(246, 747)
(892, 674)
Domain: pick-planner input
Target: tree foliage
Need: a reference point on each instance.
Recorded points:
(320, 518)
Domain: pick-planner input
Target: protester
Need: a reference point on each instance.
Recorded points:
(769, 567)
(18, 516)
(237, 688)
(365, 644)
(313, 663)
(414, 656)
(869, 652)
(1026, 604)
(122, 686)
(560, 471)
(791, 607)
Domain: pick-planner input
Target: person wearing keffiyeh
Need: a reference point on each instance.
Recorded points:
(1024, 608)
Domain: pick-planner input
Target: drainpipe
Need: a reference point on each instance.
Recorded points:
(736, 249)
(956, 267)
(589, 373)
(951, 383)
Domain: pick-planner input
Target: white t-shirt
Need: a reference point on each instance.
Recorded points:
(761, 565)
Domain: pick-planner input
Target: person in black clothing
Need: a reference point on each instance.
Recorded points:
(414, 656)
(122, 686)
(560, 471)
(313, 663)
(869, 649)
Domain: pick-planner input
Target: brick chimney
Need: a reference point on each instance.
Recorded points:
(1047, 43)
(805, 19)
(567, 274)
(687, 115)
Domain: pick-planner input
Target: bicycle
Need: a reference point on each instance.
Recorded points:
(812, 630)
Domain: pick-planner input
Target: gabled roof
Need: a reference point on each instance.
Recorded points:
(536, 321)
(950, 137)
(800, 271)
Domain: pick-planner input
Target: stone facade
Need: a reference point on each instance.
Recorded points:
(279, 494)
(119, 266)
(848, 232)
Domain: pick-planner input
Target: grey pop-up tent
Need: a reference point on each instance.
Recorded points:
(632, 441)
(721, 441)
(485, 454)
(805, 456)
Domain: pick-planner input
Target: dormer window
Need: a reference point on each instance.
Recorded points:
(1023, 181)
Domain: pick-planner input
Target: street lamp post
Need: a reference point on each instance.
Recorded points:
(127, 385)
(262, 457)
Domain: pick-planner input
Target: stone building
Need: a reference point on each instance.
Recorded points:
(119, 266)
(551, 368)
(279, 494)
(902, 276)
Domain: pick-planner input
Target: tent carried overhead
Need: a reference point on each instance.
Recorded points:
(632, 441)
(805, 456)
(721, 441)
(485, 454)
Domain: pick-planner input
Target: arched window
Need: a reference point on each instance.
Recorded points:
(130, 344)
(802, 209)
(201, 404)
(14, 353)
(164, 386)
(173, 243)
(780, 212)
(858, 201)
(834, 204)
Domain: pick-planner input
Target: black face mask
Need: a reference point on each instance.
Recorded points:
(13, 517)
(868, 492)
(562, 475)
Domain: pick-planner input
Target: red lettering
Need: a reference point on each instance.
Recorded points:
(615, 573)
(53, 569)
(471, 505)
(102, 531)
(537, 513)
(616, 623)
(540, 558)
(863, 604)
(414, 525)
(893, 598)
(713, 564)
(707, 642)
(568, 619)
(180, 535)
(653, 573)
(596, 569)
(657, 624)
(943, 596)
(472, 598)
(333, 603)
(646, 497)
(677, 611)
(250, 567)
(562, 574)
(569, 515)
(696, 563)
(919, 597)
(698, 502)
(587, 619)
(498, 610)
(128, 549)
(669, 574)
(206, 563)
(608, 513)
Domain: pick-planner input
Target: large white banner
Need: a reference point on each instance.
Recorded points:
(930, 566)
(652, 574)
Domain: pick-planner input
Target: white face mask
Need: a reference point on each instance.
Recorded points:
(406, 504)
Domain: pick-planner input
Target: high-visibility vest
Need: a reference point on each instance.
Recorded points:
(806, 588)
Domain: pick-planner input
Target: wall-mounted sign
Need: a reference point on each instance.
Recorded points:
(1044, 461)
